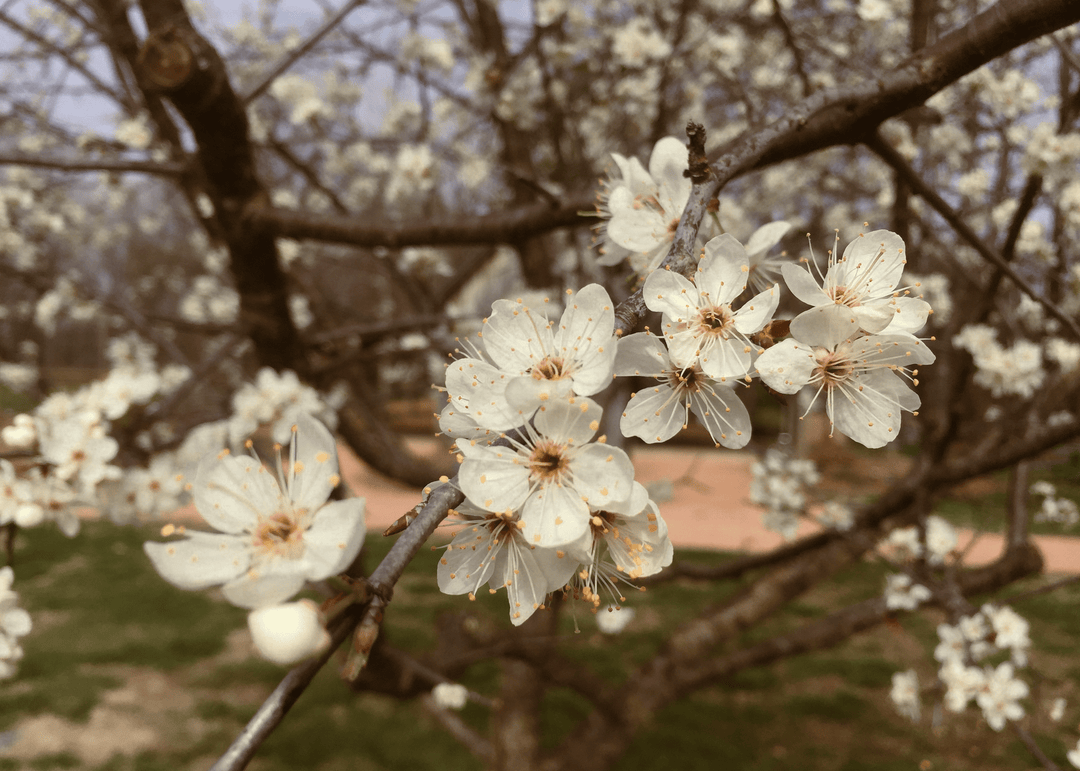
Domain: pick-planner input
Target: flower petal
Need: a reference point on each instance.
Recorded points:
(201, 559)
(334, 538)
(672, 294)
(554, 515)
(723, 414)
(641, 354)
(231, 492)
(653, 414)
(803, 285)
(722, 272)
(787, 366)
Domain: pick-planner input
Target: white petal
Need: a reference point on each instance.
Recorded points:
(516, 337)
(721, 359)
(787, 366)
(231, 492)
(641, 354)
(874, 260)
(826, 326)
(873, 317)
(201, 559)
(257, 589)
(334, 538)
(554, 515)
(602, 474)
(653, 414)
(767, 236)
(758, 311)
(870, 406)
(640, 231)
(525, 393)
(575, 422)
(909, 315)
(495, 478)
(316, 472)
(525, 578)
(803, 285)
(724, 415)
(723, 271)
(469, 560)
(671, 294)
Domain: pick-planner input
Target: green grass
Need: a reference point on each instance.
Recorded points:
(986, 512)
(111, 640)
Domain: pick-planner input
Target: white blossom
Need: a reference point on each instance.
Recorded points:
(450, 695)
(289, 633)
(275, 534)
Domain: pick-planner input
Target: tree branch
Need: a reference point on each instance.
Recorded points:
(888, 154)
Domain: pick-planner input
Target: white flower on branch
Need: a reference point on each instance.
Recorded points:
(289, 633)
(275, 534)
(14, 623)
(657, 412)
(905, 694)
(999, 695)
(553, 475)
(858, 291)
(902, 594)
(626, 540)
(450, 695)
(861, 378)
(645, 208)
(492, 549)
(531, 360)
(699, 322)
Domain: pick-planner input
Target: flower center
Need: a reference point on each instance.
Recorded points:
(833, 367)
(716, 321)
(684, 381)
(548, 462)
(842, 295)
(279, 534)
(551, 368)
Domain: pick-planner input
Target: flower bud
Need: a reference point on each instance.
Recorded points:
(288, 633)
(450, 695)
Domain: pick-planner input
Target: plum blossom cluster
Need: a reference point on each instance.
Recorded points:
(640, 210)
(549, 506)
(708, 349)
(1016, 370)
(1063, 511)
(778, 484)
(68, 437)
(277, 399)
(275, 533)
(932, 544)
(14, 623)
(976, 637)
(856, 345)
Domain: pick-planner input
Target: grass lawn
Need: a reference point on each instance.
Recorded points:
(124, 672)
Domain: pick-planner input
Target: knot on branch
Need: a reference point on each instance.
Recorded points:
(166, 59)
(698, 164)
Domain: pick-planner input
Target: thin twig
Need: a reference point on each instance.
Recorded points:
(1045, 589)
(899, 164)
(460, 730)
(278, 703)
(164, 168)
(300, 51)
(1033, 748)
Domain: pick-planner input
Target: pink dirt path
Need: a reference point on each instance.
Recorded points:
(709, 505)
